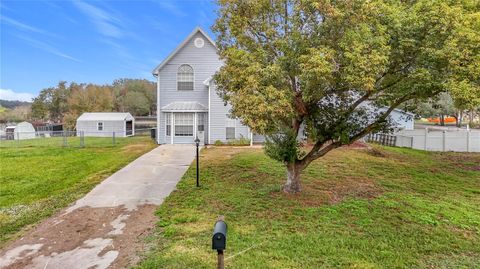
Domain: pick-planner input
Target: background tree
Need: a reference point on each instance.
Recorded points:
(440, 106)
(51, 103)
(17, 114)
(40, 107)
(338, 67)
(65, 102)
(87, 98)
(8, 104)
(137, 103)
(137, 96)
(464, 60)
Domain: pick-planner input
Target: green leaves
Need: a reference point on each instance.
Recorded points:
(364, 55)
(341, 66)
(284, 147)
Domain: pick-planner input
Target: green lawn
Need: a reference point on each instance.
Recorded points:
(35, 182)
(381, 208)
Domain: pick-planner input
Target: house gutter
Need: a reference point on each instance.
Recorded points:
(158, 107)
(208, 84)
(209, 112)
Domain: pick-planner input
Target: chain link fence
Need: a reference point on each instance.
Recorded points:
(58, 139)
(78, 139)
(143, 131)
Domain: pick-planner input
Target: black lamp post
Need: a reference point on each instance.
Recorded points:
(197, 142)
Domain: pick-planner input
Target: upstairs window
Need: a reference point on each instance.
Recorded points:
(185, 78)
(99, 126)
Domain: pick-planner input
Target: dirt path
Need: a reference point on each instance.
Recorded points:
(105, 229)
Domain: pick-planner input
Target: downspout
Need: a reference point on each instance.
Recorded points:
(195, 126)
(158, 109)
(172, 127)
(209, 111)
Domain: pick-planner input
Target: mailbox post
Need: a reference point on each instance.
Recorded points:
(197, 142)
(219, 241)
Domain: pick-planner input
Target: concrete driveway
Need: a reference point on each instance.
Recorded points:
(105, 228)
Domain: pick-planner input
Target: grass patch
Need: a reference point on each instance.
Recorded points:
(396, 208)
(35, 182)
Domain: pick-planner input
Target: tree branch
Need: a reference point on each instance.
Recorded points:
(320, 150)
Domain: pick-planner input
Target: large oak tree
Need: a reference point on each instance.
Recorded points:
(339, 68)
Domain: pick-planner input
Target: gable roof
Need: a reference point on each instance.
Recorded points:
(179, 47)
(104, 116)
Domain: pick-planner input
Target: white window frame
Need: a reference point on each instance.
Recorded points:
(100, 123)
(193, 70)
(184, 122)
(230, 123)
(168, 122)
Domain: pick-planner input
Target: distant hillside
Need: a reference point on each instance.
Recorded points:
(12, 104)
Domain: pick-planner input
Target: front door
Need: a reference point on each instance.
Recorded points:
(201, 126)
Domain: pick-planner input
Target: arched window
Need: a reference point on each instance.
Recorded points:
(185, 77)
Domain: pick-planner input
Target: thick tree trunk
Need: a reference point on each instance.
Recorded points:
(293, 178)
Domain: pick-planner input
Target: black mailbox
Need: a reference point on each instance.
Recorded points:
(219, 239)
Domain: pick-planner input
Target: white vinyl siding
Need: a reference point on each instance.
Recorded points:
(204, 62)
(183, 124)
(104, 127)
(185, 78)
(218, 123)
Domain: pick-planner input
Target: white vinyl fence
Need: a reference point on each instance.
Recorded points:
(436, 140)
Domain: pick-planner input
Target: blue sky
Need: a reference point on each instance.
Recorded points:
(44, 42)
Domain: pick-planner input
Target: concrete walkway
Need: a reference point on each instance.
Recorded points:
(105, 228)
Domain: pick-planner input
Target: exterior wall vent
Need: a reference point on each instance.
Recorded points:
(199, 42)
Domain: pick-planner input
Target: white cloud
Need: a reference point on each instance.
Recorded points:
(105, 23)
(48, 48)
(171, 6)
(7, 94)
(25, 27)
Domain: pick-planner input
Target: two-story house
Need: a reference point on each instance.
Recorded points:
(187, 103)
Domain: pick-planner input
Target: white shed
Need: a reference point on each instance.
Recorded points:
(104, 124)
(24, 130)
